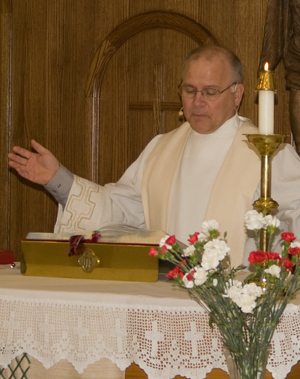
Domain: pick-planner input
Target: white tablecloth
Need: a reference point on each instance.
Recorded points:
(154, 325)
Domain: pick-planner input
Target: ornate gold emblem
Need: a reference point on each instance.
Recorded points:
(88, 261)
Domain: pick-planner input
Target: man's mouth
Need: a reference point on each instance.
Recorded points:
(199, 115)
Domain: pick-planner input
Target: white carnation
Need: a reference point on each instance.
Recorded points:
(234, 293)
(214, 252)
(189, 250)
(246, 303)
(200, 276)
(236, 283)
(187, 283)
(243, 296)
(162, 242)
(232, 283)
(202, 237)
(274, 270)
(210, 261)
(295, 244)
(209, 225)
(252, 289)
(254, 220)
(270, 220)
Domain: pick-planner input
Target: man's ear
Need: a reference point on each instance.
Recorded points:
(238, 94)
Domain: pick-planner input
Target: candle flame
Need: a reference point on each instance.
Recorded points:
(266, 66)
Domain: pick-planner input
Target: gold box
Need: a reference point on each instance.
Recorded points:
(105, 261)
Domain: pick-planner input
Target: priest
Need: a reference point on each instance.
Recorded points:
(203, 170)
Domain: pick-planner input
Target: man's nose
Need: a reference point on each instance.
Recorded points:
(199, 99)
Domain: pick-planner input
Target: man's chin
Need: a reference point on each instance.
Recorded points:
(203, 127)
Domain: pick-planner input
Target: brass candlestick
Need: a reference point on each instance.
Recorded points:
(266, 80)
(266, 145)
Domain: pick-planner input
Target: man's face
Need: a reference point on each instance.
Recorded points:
(203, 115)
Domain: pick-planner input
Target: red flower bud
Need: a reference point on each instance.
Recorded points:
(194, 237)
(176, 271)
(164, 248)
(153, 252)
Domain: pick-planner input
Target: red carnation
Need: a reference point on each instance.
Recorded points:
(272, 256)
(288, 265)
(194, 237)
(164, 248)
(189, 276)
(288, 237)
(176, 271)
(257, 256)
(294, 250)
(153, 252)
(171, 240)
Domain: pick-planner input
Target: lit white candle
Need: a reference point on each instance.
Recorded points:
(266, 100)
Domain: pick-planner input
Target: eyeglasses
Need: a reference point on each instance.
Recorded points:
(211, 94)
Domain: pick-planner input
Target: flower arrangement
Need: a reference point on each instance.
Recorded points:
(245, 312)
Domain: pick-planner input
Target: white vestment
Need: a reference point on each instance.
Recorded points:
(195, 176)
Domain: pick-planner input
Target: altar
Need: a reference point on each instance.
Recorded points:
(96, 329)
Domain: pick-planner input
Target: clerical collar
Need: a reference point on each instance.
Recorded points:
(229, 126)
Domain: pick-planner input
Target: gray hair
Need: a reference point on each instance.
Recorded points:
(212, 51)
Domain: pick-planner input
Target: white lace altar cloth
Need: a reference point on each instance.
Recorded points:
(154, 325)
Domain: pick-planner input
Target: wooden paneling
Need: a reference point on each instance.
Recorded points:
(30, 207)
(5, 118)
(47, 53)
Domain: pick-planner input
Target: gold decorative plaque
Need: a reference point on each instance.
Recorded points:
(88, 261)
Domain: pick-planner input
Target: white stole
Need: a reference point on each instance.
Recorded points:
(232, 192)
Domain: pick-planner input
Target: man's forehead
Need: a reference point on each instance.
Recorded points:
(216, 69)
(209, 61)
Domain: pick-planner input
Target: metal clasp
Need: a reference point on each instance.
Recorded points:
(88, 261)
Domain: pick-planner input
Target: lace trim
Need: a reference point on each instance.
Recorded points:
(163, 341)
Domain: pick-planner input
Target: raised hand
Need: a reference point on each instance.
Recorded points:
(39, 167)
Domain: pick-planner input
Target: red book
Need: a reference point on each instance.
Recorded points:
(6, 257)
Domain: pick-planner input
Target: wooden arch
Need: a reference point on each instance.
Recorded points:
(135, 25)
(123, 32)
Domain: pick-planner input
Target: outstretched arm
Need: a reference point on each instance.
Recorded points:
(39, 167)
